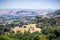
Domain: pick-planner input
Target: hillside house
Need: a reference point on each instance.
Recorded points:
(30, 27)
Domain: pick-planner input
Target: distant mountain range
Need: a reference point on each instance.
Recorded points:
(16, 13)
(25, 11)
(56, 13)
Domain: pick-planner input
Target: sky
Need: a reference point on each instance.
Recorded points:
(30, 4)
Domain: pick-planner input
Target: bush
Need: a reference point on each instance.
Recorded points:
(43, 37)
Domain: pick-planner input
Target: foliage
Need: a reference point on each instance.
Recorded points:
(4, 37)
(43, 37)
(51, 33)
(48, 32)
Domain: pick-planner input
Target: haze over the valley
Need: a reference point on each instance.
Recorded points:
(30, 4)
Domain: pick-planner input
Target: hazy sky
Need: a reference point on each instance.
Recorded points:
(30, 4)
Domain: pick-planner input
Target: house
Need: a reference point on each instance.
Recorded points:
(30, 27)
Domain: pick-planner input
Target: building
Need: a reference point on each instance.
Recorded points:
(30, 27)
